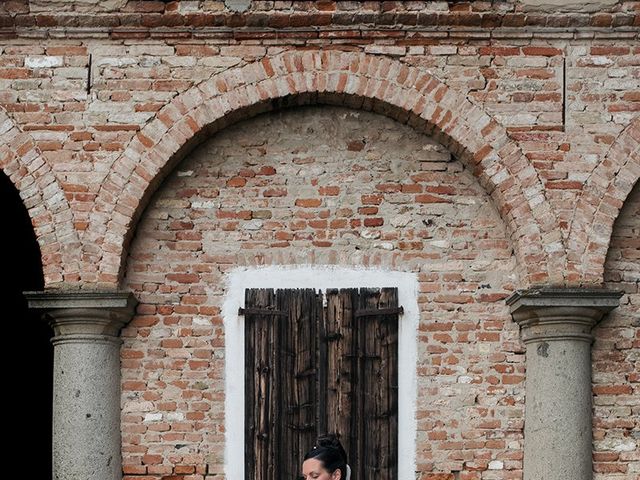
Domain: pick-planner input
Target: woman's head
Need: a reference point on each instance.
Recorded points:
(327, 460)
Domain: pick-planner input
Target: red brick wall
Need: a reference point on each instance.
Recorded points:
(89, 90)
(323, 185)
(616, 356)
(131, 82)
(138, 66)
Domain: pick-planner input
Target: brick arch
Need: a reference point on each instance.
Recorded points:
(358, 80)
(48, 208)
(599, 205)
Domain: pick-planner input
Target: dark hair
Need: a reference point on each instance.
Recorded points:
(330, 452)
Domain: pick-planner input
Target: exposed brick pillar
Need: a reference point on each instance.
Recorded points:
(86, 389)
(555, 324)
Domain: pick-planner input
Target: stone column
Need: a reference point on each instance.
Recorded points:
(86, 388)
(555, 325)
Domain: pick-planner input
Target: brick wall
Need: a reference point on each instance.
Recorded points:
(521, 86)
(100, 100)
(323, 185)
(616, 356)
(81, 79)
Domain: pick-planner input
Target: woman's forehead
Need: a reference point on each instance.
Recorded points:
(311, 465)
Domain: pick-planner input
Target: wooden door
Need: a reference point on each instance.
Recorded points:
(312, 370)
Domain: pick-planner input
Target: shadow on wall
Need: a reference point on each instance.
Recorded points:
(28, 375)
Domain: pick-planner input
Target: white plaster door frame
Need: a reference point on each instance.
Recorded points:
(320, 278)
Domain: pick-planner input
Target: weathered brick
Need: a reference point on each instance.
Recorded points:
(308, 202)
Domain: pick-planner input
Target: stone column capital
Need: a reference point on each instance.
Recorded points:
(548, 314)
(81, 316)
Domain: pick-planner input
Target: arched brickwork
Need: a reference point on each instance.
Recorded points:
(599, 205)
(362, 81)
(45, 201)
(616, 350)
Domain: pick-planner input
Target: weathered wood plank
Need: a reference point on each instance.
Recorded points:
(341, 365)
(322, 385)
(262, 370)
(299, 356)
(379, 383)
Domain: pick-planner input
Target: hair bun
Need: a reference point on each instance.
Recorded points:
(329, 451)
(331, 441)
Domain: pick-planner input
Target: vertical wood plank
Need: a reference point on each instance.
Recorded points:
(391, 374)
(379, 384)
(261, 387)
(299, 379)
(250, 377)
(286, 354)
(322, 385)
(341, 344)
